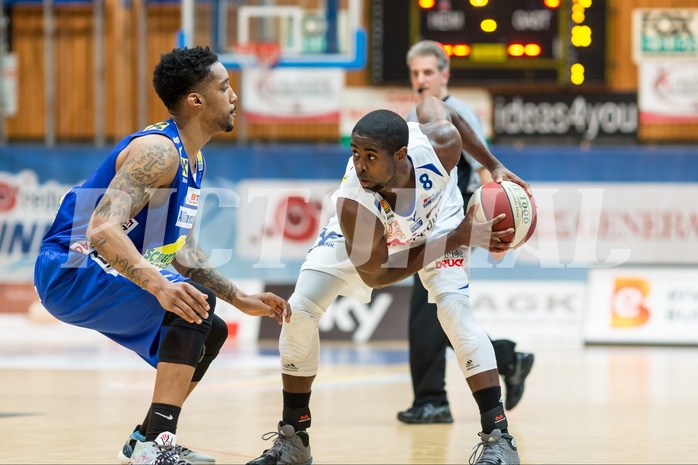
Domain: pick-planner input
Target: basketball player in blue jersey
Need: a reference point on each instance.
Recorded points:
(399, 212)
(105, 262)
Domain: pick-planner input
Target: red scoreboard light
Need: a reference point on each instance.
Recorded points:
(457, 50)
(494, 41)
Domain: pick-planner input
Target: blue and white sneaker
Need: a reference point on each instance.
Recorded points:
(191, 456)
(159, 452)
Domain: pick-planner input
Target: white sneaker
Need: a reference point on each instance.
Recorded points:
(192, 456)
(159, 452)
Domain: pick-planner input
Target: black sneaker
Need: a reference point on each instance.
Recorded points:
(515, 381)
(427, 413)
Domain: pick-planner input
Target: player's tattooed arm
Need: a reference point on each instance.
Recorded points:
(193, 263)
(149, 163)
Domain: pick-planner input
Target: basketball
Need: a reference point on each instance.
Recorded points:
(511, 199)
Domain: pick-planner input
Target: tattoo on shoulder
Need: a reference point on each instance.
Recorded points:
(147, 166)
(131, 189)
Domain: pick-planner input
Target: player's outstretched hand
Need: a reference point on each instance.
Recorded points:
(478, 234)
(501, 173)
(184, 300)
(264, 304)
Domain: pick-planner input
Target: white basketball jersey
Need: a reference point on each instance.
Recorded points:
(437, 208)
(435, 195)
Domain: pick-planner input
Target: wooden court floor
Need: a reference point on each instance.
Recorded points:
(66, 403)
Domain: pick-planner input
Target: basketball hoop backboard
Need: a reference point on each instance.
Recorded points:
(320, 33)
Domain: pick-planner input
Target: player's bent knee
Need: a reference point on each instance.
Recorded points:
(182, 345)
(217, 336)
(184, 341)
(299, 342)
(211, 297)
(470, 342)
(212, 347)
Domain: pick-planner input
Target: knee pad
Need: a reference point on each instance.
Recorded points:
(470, 342)
(299, 343)
(183, 342)
(211, 297)
(212, 346)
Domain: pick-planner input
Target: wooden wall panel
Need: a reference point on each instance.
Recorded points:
(26, 31)
(74, 77)
(119, 71)
(74, 73)
(293, 132)
(163, 24)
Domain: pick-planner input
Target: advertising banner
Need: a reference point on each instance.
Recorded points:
(668, 91)
(604, 225)
(642, 306)
(565, 117)
(533, 313)
(288, 95)
(357, 101)
(579, 224)
(261, 209)
(665, 33)
(385, 318)
(27, 209)
(280, 220)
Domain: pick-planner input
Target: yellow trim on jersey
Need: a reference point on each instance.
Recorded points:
(162, 256)
(160, 126)
(185, 167)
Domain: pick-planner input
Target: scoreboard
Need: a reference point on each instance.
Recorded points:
(495, 41)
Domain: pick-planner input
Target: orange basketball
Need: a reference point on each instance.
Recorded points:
(512, 200)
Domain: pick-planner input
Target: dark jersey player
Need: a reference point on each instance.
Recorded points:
(121, 259)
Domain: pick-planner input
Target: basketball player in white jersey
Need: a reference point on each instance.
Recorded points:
(429, 68)
(399, 212)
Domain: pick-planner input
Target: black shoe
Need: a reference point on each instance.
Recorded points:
(515, 381)
(427, 413)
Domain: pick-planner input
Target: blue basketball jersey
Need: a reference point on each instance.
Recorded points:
(79, 287)
(158, 232)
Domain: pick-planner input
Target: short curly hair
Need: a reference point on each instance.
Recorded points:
(385, 127)
(180, 72)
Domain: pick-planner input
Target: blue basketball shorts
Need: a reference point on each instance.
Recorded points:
(83, 290)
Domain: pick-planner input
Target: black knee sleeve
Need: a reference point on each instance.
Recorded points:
(211, 297)
(212, 346)
(183, 342)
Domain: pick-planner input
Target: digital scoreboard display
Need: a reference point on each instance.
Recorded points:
(497, 41)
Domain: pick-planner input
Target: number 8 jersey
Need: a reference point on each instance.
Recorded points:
(436, 208)
(435, 196)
